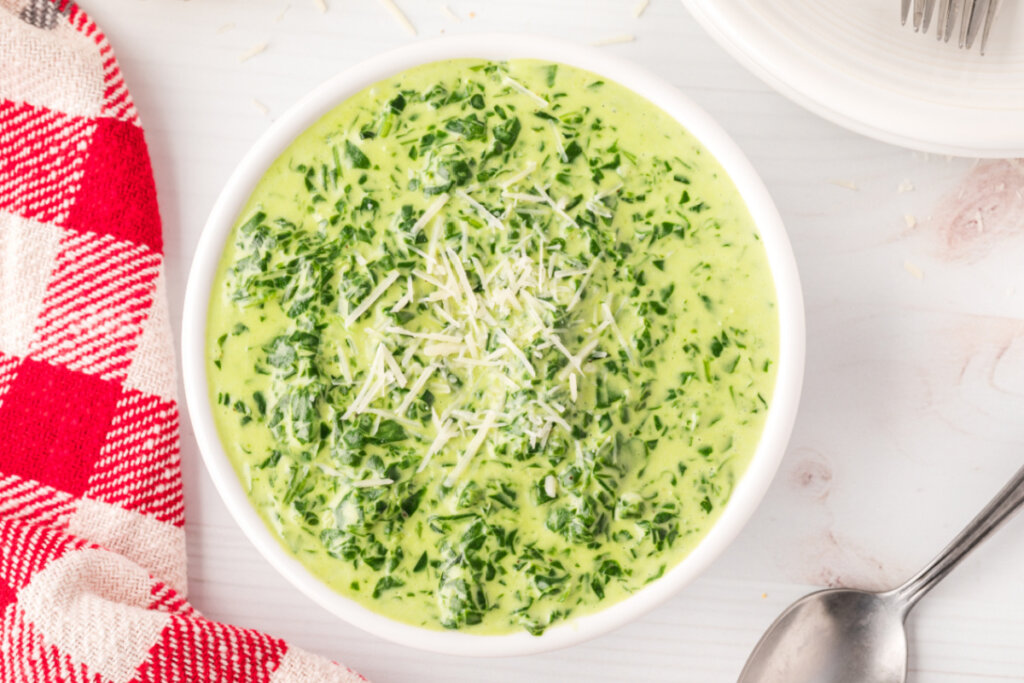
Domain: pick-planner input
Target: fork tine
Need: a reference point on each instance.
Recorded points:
(952, 12)
(929, 7)
(966, 18)
(976, 21)
(940, 21)
(993, 5)
(974, 16)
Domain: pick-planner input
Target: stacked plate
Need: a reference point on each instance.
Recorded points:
(853, 63)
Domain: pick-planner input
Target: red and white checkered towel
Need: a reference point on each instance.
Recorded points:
(92, 544)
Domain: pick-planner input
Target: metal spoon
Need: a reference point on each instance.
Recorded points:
(851, 636)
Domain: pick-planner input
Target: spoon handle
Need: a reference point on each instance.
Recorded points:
(988, 520)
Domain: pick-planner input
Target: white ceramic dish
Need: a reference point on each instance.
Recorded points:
(854, 64)
(751, 487)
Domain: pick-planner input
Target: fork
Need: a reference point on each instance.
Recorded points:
(974, 15)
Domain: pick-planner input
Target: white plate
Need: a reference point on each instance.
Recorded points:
(852, 62)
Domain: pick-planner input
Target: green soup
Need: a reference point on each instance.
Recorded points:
(491, 344)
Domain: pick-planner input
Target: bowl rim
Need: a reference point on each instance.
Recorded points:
(749, 490)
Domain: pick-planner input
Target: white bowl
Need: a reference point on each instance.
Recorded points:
(749, 490)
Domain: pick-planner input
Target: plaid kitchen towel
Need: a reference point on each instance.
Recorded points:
(92, 544)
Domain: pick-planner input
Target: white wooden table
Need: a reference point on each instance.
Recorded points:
(914, 397)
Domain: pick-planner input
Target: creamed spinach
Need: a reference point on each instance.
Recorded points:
(491, 344)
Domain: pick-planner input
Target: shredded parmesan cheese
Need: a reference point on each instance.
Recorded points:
(480, 209)
(372, 297)
(429, 214)
(399, 16)
(447, 11)
(913, 270)
(516, 85)
(371, 385)
(583, 283)
(523, 197)
(252, 52)
(550, 486)
(614, 40)
(845, 184)
(444, 434)
(463, 280)
(392, 366)
(557, 343)
(555, 207)
(443, 349)
(509, 182)
(474, 445)
(416, 388)
(610, 319)
(432, 336)
(558, 143)
(406, 298)
(366, 483)
(517, 352)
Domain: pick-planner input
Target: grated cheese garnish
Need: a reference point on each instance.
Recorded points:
(550, 486)
(519, 87)
(614, 40)
(491, 417)
(913, 270)
(252, 52)
(480, 209)
(399, 16)
(416, 388)
(372, 297)
(531, 166)
(366, 483)
(610, 319)
(447, 11)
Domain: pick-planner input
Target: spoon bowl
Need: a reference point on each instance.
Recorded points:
(851, 636)
(833, 636)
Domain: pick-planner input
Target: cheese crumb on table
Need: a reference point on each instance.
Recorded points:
(447, 11)
(845, 184)
(252, 52)
(913, 270)
(399, 16)
(614, 40)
